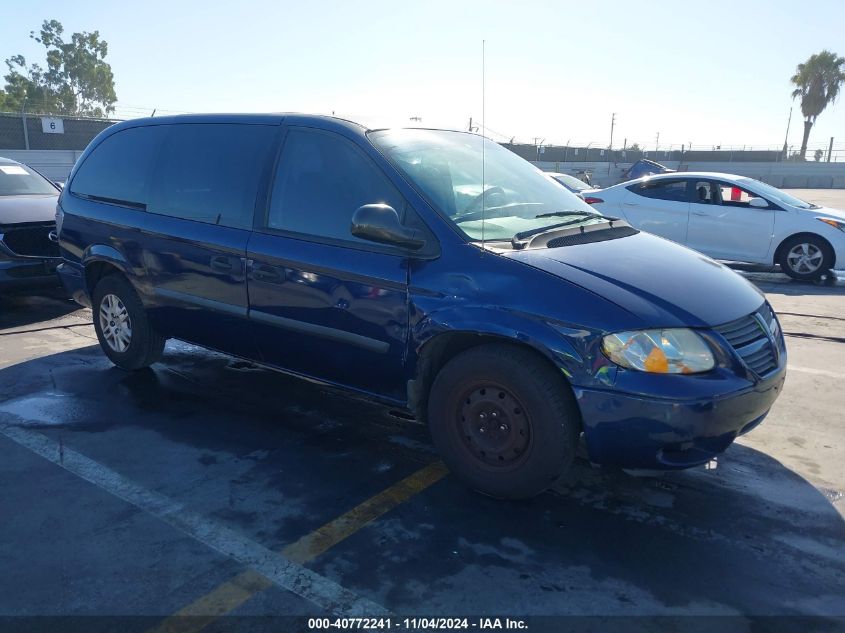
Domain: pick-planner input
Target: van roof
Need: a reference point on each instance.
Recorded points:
(246, 119)
(294, 118)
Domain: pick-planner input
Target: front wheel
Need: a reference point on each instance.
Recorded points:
(122, 326)
(504, 421)
(805, 257)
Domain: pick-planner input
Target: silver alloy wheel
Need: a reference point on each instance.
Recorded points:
(804, 258)
(115, 323)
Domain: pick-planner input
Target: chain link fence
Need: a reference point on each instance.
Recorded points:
(21, 131)
(35, 132)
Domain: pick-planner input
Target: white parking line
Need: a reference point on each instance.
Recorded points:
(323, 592)
(817, 372)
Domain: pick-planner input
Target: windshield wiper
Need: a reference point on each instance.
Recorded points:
(558, 214)
(563, 214)
(542, 229)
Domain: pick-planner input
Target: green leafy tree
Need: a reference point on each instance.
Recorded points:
(634, 147)
(76, 81)
(817, 82)
(818, 155)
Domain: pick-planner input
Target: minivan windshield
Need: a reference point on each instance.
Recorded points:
(474, 181)
(20, 180)
(776, 194)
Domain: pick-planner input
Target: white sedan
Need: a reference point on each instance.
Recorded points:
(731, 218)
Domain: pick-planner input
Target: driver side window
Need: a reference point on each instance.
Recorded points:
(321, 180)
(733, 196)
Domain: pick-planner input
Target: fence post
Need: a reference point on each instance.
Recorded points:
(23, 121)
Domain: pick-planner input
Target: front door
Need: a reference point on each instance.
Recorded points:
(724, 226)
(324, 303)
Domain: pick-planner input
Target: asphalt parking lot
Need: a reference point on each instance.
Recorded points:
(207, 487)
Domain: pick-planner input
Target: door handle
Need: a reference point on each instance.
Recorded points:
(261, 272)
(699, 213)
(631, 204)
(222, 264)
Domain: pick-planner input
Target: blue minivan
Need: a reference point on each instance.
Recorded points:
(430, 270)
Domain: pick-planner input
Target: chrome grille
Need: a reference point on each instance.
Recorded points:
(752, 341)
(31, 240)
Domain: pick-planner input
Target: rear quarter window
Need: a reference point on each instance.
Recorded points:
(119, 168)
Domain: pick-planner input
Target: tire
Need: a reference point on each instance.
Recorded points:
(528, 414)
(117, 307)
(805, 257)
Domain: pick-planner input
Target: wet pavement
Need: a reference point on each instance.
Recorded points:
(146, 493)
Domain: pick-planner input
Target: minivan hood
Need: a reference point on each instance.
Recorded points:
(17, 209)
(663, 283)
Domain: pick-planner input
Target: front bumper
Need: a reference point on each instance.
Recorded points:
(28, 273)
(642, 432)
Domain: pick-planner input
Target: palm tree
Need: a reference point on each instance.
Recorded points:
(818, 81)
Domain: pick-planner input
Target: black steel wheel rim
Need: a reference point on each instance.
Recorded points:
(494, 426)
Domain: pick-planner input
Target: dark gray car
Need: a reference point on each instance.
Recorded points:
(28, 253)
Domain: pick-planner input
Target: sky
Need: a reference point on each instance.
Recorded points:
(705, 73)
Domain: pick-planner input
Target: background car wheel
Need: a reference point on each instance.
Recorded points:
(504, 421)
(122, 327)
(805, 257)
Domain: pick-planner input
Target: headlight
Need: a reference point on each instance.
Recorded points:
(837, 224)
(673, 351)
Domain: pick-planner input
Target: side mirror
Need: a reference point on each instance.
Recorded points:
(380, 223)
(758, 203)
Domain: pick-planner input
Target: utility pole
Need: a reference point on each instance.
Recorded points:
(538, 142)
(786, 138)
(23, 120)
(610, 146)
(657, 142)
(830, 149)
(612, 124)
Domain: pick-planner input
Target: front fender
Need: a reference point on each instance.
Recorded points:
(574, 350)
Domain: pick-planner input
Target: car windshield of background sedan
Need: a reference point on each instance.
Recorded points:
(776, 194)
(452, 169)
(18, 180)
(571, 182)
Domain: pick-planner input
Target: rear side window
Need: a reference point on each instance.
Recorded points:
(209, 172)
(321, 180)
(674, 190)
(119, 168)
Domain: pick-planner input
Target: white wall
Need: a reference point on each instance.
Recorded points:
(806, 175)
(56, 165)
(53, 163)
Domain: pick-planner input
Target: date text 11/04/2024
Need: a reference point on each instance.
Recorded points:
(417, 624)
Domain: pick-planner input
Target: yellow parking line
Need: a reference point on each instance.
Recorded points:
(233, 593)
